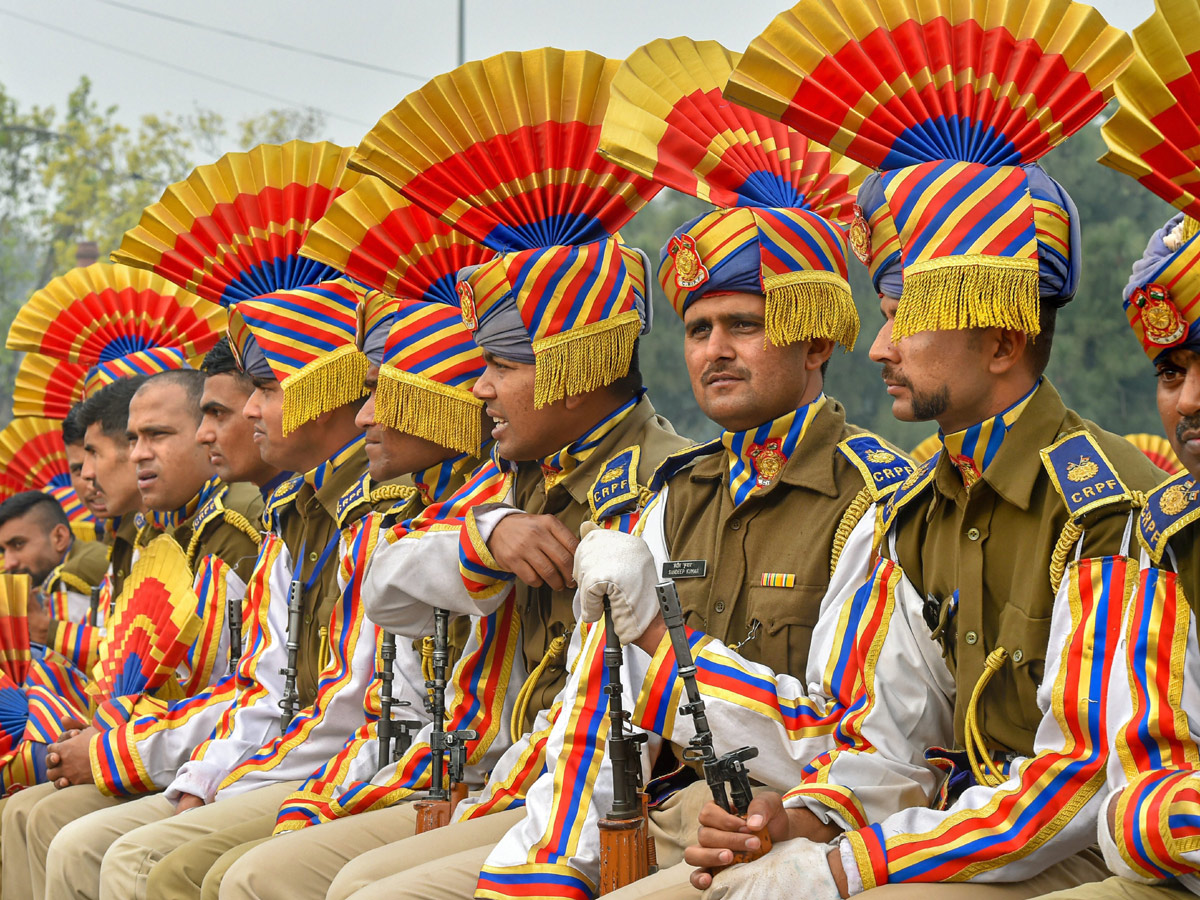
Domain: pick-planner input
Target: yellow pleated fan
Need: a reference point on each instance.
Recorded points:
(1158, 450)
(47, 387)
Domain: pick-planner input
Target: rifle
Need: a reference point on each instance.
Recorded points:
(728, 770)
(403, 739)
(94, 607)
(233, 616)
(627, 851)
(436, 810)
(290, 702)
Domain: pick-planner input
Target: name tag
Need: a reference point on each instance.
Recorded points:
(685, 568)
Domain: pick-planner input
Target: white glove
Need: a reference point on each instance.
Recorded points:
(621, 566)
(795, 868)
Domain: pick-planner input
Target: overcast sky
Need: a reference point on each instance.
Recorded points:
(117, 46)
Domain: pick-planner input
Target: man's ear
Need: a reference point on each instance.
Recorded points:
(819, 351)
(60, 537)
(1007, 346)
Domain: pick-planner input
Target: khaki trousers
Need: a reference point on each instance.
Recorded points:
(1123, 889)
(75, 858)
(420, 874)
(125, 871)
(183, 873)
(49, 817)
(14, 856)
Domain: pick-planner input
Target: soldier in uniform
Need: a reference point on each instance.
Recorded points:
(977, 747)
(211, 523)
(36, 538)
(72, 432)
(556, 313)
(1147, 826)
(224, 432)
(762, 314)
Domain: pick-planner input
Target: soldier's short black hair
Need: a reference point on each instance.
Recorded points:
(221, 361)
(631, 382)
(191, 380)
(109, 407)
(72, 426)
(1039, 347)
(21, 504)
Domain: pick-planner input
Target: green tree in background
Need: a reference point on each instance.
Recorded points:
(79, 174)
(1097, 364)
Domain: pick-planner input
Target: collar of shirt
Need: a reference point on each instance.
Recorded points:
(330, 480)
(558, 467)
(175, 519)
(441, 480)
(1016, 466)
(973, 449)
(756, 457)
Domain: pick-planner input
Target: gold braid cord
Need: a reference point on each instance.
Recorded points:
(1071, 534)
(554, 656)
(851, 517)
(232, 518)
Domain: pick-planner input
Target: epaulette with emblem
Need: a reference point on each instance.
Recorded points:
(358, 495)
(616, 490)
(366, 497)
(211, 510)
(908, 490)
(1083, 476)
(1170, 508)
(279, 498)
(680, 460)
(883, 469)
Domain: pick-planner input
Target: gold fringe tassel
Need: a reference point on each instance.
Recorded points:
(333, 380)
(958, 292)
(810, 304)
(447, 416)
(585, 358)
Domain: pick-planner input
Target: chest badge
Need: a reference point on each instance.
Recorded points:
(768, 461)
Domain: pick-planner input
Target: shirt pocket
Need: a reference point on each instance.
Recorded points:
(786, 618)
(1015, 696)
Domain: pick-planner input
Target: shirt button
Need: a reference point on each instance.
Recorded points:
(1018, 656)
(308, 620)
(972, 637)
(735, 524)
(314, 556)
(973, 534)
(719, 606)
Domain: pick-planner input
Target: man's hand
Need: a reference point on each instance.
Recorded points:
(621, 567)
(537, 549)
(721, 833)
(186, 802)
(69, 760)
(38, 620)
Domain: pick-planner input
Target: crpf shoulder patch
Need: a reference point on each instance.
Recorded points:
(907, 491)
(212, 509)
(1170, 508)
(680, 460)
(1082, 474)
(616, 490)
(280, 497)
(882, 468)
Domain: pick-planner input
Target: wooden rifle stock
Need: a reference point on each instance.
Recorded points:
(627, 852)
(720, 772)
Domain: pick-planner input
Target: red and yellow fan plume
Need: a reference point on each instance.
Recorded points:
(997, 84)
(375, 236)
(927, 449)
(15, 654)
(232, 230)
(504, 149)
(117, 321)
(33, 458)
(47, 387)
(1158, 450)
(666, 120)
(149, 634)
(1154, 136)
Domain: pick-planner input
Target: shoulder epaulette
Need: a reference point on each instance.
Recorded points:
(215, 512)
(211, 510)
(883, 468)
(1083, 476)
(393, 499)
(680, 460)
(908, 490)
(616, 490)
(70, 579)
(279, 498)
(1170, 508)
(366, 497)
